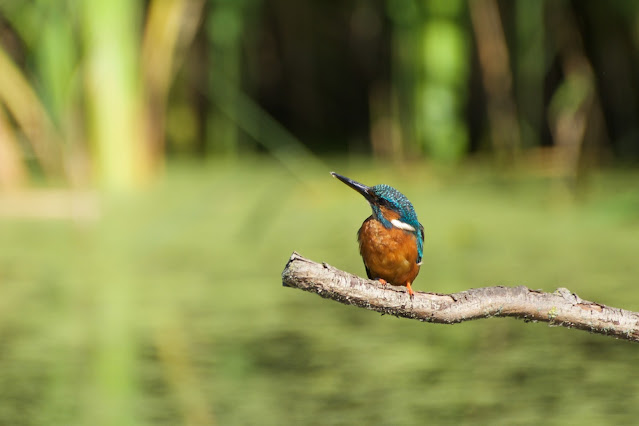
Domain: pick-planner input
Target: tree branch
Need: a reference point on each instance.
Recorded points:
(561, 308)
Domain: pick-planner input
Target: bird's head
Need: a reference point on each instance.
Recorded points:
(390, 206)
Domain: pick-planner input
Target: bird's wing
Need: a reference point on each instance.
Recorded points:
(368, 272)
(420, 243)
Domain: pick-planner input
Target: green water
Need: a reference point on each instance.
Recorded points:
(170, 309)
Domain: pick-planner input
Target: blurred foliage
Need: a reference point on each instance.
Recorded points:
(101, 93)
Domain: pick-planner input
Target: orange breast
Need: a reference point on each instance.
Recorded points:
(389, 254)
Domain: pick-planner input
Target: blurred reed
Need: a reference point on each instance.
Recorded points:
(98, 95)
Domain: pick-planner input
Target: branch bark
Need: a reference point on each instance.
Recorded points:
(561, 308)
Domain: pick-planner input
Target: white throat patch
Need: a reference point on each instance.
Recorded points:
(401, 225)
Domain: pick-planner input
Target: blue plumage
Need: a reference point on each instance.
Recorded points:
(398, 202)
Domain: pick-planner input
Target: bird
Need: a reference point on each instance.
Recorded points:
(391, 240)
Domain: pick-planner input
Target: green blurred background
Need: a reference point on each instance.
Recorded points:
(161, 159)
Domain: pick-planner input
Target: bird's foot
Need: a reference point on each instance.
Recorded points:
(382, 281)
(411, 293)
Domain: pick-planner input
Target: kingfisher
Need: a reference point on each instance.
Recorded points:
(391, 240)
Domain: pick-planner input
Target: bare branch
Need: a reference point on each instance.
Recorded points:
(561, 308)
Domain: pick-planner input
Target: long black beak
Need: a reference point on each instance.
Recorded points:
(359, 187)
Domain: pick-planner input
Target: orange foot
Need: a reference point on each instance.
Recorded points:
(382, 281)
(411, 293)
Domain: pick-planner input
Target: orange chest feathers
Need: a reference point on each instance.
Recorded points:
(389, 254)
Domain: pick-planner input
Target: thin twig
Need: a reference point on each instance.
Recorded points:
(561, 308)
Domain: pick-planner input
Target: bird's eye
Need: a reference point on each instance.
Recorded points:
(386, 203)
